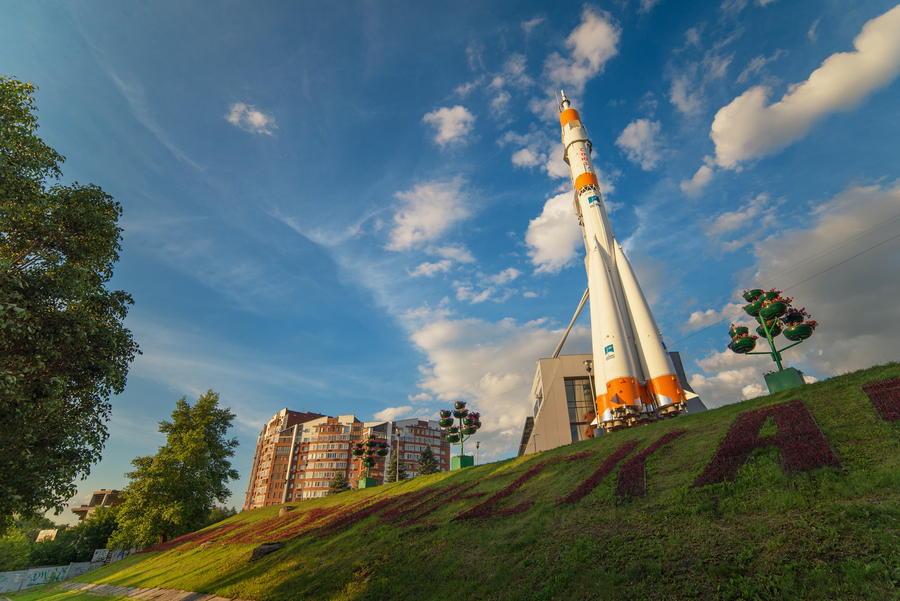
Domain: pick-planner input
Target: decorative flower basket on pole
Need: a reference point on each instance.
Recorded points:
(775, 316)
(368, 450)
(468, 425)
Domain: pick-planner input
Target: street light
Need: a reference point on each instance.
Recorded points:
(477, 444)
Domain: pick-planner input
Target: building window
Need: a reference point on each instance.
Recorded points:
(580, 403)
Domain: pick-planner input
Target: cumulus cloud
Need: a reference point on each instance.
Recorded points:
(500, 102)
(840, 269)
(554, 236)
(749, 127)
(454, 253)
(647, 5)
(694, 186)
(490, 364)
(505, 276)
(249, 119)
(592, 44)
(426, 212)
(641, 142)
(431, 269)
(393, 413)
(451, 124)
(686, 99)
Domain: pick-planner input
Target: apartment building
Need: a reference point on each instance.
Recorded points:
(298, 454)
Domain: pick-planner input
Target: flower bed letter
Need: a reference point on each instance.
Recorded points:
(802, 444)
(886, 398)
(632, 476)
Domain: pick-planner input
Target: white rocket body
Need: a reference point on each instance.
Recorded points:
(629, 354)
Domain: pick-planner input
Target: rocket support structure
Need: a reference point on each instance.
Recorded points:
(641, 383)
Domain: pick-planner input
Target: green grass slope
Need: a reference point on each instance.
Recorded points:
(833, 533)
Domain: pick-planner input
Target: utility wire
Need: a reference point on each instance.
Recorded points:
(793, 285)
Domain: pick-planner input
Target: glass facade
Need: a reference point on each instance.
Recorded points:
(580, 402)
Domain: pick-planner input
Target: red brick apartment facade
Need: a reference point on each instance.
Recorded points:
(298, 454)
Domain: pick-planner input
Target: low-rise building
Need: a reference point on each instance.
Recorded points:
(100, 498)
(563, 412)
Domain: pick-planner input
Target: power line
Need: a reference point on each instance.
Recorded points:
(798, 283)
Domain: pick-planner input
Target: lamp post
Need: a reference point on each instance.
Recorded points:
(477, 446)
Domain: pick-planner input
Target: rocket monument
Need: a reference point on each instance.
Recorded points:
(635, 380)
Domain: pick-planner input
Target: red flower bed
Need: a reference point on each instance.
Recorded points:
(447, 495)
(632, 476)
(591, 483)
(310, 521)
(489, 507)
(353, 514)
(410, 503)
(197, 538)
(802, 444)
(886, 398)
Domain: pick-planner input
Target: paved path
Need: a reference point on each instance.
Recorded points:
(140, 594)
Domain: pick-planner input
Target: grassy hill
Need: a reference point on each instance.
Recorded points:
(776, 531)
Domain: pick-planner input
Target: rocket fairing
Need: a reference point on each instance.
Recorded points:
(629, 353)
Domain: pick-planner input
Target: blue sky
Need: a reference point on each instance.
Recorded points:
(362, 207)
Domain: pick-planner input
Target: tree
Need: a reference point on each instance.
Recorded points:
(217, 514)
(391, 472)
(339, 484)
(63, 348)
(428, 463)
(172, 493)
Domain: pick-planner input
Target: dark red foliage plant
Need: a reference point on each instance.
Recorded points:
(885, 396)
(803, 446)
(604, 470)
(632, 476)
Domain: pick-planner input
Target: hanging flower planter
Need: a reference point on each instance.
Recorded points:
(771, 294)
(444, 423)
(752, 295)
(773, 309)
(753, 308)
(774, 329)
(800, 331)
(736, 331)
(794, 316)
(453, 438)
(743, 345)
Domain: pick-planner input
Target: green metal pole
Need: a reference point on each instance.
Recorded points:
(776, 356)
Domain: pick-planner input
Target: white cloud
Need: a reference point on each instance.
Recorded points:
(427, 211)
(431, 269)
(249, 119)
(646, 5)
(454, 253)
(701, 319)
(554, 236)
(641, 142)
(527, 158)
(452, 124)
(393, 413)
(529, 25)
(841, 270)
(530, 294)
(757, 65)
(490, 364)
(505, 276)
(420, 398)
(592, 44)
(813, 33)
(694, 187)
(681, 95)
(753, 220)
(750, 128)
(500, 102)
